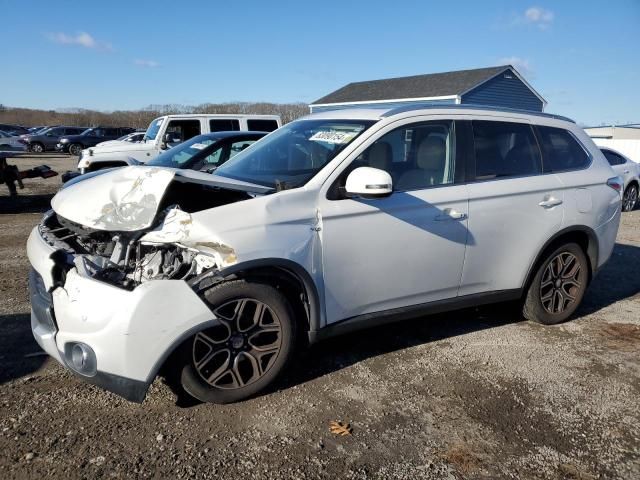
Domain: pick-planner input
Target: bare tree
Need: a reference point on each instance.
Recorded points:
(141, 118)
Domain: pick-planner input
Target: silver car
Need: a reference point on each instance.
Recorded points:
(338, 221)
(629, 171)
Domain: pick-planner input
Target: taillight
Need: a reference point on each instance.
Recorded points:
(616, 183)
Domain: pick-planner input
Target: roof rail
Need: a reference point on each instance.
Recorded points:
(469, 106)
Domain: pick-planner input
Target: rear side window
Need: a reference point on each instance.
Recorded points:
(224, 125)
(505, 149)
(262, 125)
(181, 130)
(613, 158)
(561, 150)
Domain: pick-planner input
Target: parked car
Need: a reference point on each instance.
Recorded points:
(341, 220)
(170, 130)
(133, 137)
(204, 153)
(46, 140)
(13, 130)
(74, 144)
(630, 173)
(10, 142)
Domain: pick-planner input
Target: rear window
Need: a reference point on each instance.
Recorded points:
(613, 158)
(224, 125)
(561, 150)
(505, 149)
(262, 125)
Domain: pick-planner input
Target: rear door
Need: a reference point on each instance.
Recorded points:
(513, 208)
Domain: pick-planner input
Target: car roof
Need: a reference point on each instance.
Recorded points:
(427, 108)
(234, 133)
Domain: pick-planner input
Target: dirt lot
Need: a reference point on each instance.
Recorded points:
(470, 394)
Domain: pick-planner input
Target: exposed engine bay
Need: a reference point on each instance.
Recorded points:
(126, 260)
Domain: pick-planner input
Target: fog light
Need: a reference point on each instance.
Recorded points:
(81, 358)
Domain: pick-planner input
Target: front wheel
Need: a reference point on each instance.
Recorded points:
(246, 351)
(37, 147)
(630, 198)
(75, 149)
(558, 286)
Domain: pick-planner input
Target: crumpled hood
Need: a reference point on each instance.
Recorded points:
(124, 199)
(128, 198)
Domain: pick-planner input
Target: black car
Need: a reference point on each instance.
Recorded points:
(204, 153)
(47, 139)
(74, 144)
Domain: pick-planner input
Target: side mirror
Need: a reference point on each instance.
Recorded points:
(367, 182)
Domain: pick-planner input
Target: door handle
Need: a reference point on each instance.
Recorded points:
(451, 214)
(626, 171)
(550, 202)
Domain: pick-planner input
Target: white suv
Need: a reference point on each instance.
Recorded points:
(168, 131)
(334, 222)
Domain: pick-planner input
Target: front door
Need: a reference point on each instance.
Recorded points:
(406, 249)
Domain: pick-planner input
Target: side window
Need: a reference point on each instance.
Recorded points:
(181, 130)
(262, 125)
(111, 132)
(561, 150)
(613, 158)
(505, 149)
(224, 125)
(416, 156)
(237, 147)
(99, 132)
(56, 132)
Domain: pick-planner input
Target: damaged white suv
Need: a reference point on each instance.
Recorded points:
(337, 221)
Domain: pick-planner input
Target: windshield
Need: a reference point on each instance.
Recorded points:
(88, 131)
(154, 128)
(293, 154)
(191, 151)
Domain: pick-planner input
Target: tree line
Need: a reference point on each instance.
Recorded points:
(141, 118)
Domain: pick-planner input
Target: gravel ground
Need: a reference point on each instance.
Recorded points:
(470, 394)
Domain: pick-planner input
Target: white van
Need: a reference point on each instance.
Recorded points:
(167, 131)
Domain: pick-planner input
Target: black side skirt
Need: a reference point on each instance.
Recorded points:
(404, 313)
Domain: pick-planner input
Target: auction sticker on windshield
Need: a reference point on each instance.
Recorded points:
(337, 138)
(198, 146)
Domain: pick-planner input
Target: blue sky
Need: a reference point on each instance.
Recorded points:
(582, 56)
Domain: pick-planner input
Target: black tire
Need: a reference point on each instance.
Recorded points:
(557, 289)
(37, 147)
(75, 149)
(223, 364)
(630, 198)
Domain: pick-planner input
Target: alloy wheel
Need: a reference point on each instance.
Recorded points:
(560, 284)
(630, 198)
(74, 150)
(37, 148)
(242, 348)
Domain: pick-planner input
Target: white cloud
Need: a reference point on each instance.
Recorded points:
(539, 16)
(82, 39)
(146, 63)
(521, 64)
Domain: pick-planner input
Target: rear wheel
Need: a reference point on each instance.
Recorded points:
(75, 149)
(246, 351)
(37, 147)
(630, 198)
(558, 286)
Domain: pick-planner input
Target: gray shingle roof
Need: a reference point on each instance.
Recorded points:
(417, 86)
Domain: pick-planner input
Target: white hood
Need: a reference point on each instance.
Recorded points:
(120, 146)
(128, 198)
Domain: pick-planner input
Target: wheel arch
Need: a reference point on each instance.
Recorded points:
(265, 270)
(580, 234)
